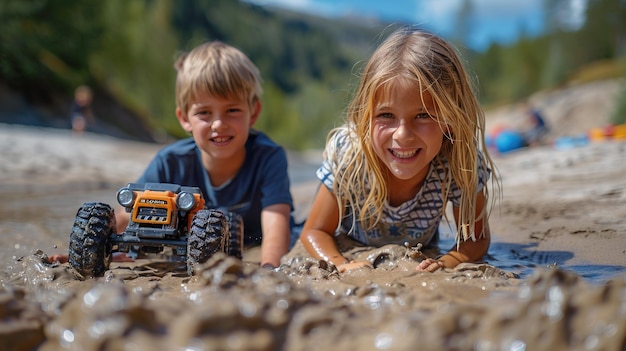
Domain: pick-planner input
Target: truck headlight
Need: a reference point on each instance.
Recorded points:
(126, 197)
(185, 201)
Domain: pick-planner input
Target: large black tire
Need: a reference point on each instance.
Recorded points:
(90, 246)
(208, 235)
(234, 246)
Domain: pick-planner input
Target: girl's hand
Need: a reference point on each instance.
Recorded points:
(352, 265)
(429, 265)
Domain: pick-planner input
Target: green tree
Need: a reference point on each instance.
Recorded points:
(45, 44)
(135, 59)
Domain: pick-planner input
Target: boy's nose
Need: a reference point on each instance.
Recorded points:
(217, 124)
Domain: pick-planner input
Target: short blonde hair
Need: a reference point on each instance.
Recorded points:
(219, 70)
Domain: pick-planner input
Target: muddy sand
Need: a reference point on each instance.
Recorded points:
(554, 278)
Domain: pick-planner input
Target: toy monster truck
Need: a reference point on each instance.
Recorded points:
(161, 215)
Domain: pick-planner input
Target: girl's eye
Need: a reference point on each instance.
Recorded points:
(423, 115)
(385, 115)
(233, 110)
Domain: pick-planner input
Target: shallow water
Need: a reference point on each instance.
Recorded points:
(43, 221)
(518, 259)
(523, 259)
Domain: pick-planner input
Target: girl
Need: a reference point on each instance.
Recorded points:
(410, 144)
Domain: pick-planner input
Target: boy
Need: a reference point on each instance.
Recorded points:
(218, 91)
(238, 169)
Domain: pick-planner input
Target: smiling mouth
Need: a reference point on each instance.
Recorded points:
(404, 154)
(221, 140)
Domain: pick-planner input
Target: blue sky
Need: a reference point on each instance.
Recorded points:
(499, 21)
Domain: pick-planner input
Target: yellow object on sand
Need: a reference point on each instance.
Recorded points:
(597, 134)
(619, 132)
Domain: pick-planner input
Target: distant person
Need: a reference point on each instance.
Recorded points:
(536, 129)
(412, 143)
(239, 170)
(81, 115)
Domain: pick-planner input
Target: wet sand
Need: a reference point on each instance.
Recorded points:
(554, 278)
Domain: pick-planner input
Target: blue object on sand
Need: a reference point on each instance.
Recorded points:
(509, 140)
(570, 142)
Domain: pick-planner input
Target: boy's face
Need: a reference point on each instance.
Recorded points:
(219, 126)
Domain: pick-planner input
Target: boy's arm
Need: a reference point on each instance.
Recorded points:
(468, 250)
(121, 218)
(276, 229)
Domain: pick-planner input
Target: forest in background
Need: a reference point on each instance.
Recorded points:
(125, 50)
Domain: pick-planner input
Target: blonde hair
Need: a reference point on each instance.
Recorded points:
(433, 64)
(219, 70)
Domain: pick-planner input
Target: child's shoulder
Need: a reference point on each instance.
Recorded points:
(179, 147)
(258, 140)
(340, 137)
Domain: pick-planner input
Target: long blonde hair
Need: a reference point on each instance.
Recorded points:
(431, 62)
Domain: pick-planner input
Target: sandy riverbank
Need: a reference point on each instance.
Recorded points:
(554, 278)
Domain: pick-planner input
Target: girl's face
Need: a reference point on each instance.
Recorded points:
(219, 126)
(405, 133)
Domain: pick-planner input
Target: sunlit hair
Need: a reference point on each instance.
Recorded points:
(431, 65)
(219, 70)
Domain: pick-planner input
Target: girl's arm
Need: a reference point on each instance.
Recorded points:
(468, 250)
(318, 232)
(276, 233)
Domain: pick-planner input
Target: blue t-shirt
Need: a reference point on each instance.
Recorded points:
(262, 180)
